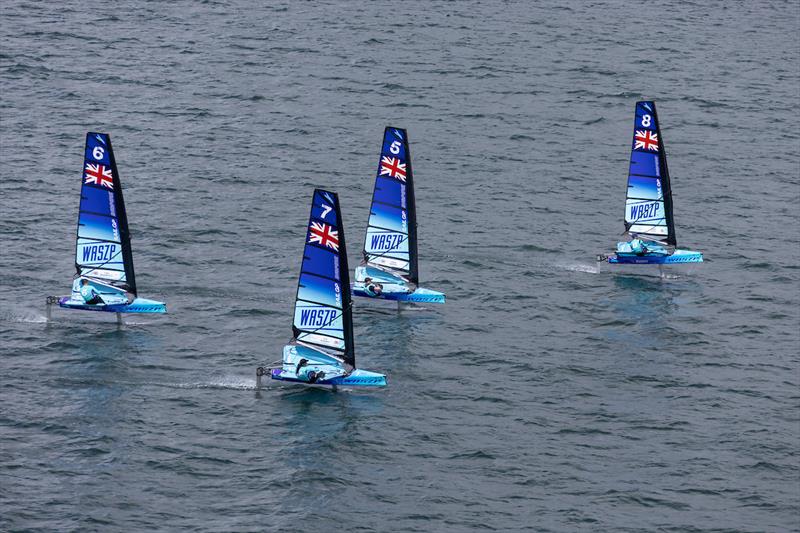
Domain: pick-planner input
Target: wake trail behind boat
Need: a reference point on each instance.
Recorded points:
(578, 267)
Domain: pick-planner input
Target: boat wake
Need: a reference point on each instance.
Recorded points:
(232, 383)
(25, 318)
(579, 267)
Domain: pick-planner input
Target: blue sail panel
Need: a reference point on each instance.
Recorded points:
(102, 248)
(99, 227)
(644, 164)
(648, 204)
(320, 290)
(388, 218)
(390, 192)
(390, 240)
(644, 188)
(98, 201)
(321, 262)
(322, 314)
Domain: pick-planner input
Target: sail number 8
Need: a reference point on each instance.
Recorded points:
(646, 120)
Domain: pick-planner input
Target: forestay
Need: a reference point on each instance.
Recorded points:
(648, 207)
(391, 238)
(103, 248)
(323, 314)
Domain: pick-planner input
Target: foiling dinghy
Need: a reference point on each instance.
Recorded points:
(652, 248)
(105, 280)
(321, 352)
(389, 267)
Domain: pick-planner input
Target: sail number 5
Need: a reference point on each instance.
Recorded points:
(395, 147)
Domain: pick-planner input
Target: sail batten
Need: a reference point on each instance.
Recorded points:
(102, 244)
(322, 313)
(648, 205)
(390, 241)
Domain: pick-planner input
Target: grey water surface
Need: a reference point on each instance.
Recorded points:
(543, 396)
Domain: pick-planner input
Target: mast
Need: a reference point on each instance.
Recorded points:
(347, 304)
(124, 231)
(666, 183)
(412, 215)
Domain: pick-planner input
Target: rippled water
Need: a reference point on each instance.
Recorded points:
(542, 396)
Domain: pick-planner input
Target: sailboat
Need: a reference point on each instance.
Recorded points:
(389, 268)
(321, 352)
(103, 255)
(649, 221)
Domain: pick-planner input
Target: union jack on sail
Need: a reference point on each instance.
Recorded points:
(98, 174)
(646, 140)
(321, 233)
(393, 167)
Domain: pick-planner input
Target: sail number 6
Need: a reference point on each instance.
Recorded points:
(98, 152)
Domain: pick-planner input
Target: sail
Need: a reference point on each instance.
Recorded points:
(648, 207)
(322, 314)
(103, 247)
(391, 239)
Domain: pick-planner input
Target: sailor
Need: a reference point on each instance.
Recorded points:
(90, 294)
(372, 289)
(638, 247)
(309, 375)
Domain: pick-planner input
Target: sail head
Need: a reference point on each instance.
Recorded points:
(323, 316)
(648, 204)
(103, 247)
(391, 238)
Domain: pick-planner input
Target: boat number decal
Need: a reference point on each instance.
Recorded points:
(395, 147)
(98, 152)
(646, 120)
(325, 210)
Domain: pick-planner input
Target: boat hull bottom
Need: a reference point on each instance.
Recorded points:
(138, 305)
